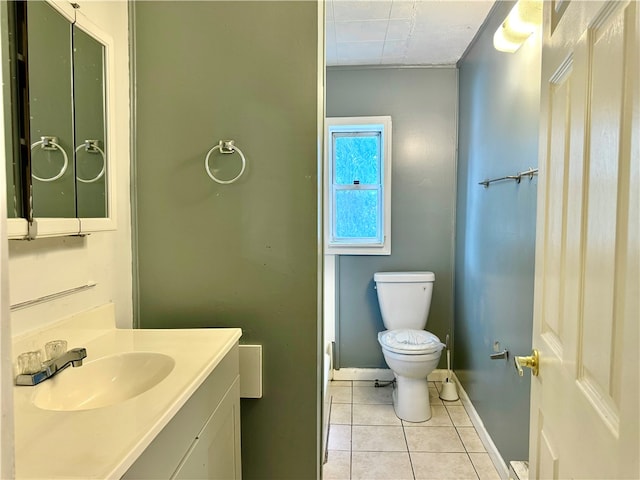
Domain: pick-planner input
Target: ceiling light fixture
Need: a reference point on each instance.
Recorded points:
(523, 19)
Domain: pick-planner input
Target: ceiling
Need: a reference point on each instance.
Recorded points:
(401, 32)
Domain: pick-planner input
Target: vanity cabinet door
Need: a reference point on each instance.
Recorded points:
(187, 447)
(215, 454)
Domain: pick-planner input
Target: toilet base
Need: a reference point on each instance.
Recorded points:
(411, 399)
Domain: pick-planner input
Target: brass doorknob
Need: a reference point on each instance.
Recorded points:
(532, 362)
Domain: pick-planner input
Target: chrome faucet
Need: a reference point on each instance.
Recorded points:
(52, 367)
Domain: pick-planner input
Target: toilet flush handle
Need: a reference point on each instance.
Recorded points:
(503, 354)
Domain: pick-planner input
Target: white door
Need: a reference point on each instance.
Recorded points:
(585, 406)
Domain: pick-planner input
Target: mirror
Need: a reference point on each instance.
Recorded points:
(50, 90)
(59, 158)
(90, 151)
(9, 49)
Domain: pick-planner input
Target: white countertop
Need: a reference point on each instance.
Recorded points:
(104, 442)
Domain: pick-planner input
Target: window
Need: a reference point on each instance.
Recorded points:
(358, 186)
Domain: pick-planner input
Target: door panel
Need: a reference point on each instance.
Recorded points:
(556, 166)
(598, 320)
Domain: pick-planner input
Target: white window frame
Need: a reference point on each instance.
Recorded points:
(380, 124)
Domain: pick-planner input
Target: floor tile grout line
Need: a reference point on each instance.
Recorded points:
(406, 442)
(351, 436)
(412, 451)
(466, 451)
(473, 465)
(351, 455)
(458, 434)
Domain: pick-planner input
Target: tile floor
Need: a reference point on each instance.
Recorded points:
(367, 440)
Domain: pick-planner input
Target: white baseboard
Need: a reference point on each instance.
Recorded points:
(489, 446)
(518, 470)
(438, 375)
(383, 374)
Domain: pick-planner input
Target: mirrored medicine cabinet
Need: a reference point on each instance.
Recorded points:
(58, 148)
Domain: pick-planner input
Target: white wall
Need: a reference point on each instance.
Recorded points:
(6, 372)
(46, 266)
(329, 336)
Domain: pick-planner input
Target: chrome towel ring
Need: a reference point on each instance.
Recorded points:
(91, 146)
(225, 146)
(51, 143)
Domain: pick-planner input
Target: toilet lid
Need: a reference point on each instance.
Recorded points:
(410, 342)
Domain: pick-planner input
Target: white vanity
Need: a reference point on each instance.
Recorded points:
(150, 404)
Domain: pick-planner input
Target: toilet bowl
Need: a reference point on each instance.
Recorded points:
(411, 352)
(411, 367)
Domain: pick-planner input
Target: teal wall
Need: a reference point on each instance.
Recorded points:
(422, 103)
(246, 254)
(495, 233)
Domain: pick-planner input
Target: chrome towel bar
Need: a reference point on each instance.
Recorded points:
(53, 296)
(531, 172)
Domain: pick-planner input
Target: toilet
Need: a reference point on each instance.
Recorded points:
(411, 352)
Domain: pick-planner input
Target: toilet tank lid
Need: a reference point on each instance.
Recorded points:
(404, 277)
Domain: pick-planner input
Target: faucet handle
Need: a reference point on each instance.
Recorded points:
(55, 349)
(30, 362)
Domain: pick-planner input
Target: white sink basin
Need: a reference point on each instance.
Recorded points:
(103, 382)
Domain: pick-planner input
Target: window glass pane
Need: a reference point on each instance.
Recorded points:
(357, 158)
(357, 214)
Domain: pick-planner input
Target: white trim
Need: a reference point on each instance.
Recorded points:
(438, 375)
(322, 410)
(383, 374)
(380, 124)
(329, 297)
(17, 228)
(109, 222)
(7, 461)
(518, 470)
(489, 446)
(63, 8)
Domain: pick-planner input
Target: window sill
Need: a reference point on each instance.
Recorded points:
(357, 250)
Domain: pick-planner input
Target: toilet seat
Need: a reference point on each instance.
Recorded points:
(408, 341)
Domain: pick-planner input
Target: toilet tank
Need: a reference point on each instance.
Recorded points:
(404, 298)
